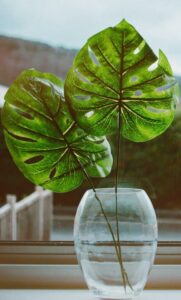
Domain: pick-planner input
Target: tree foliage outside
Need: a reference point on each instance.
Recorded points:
(154, 165)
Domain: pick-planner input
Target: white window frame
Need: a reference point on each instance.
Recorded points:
(53, 265)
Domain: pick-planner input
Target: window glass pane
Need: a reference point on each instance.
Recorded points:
(48, 42)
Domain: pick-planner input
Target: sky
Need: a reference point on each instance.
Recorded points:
(69, 23)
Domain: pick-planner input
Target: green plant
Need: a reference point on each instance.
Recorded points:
(116, 84)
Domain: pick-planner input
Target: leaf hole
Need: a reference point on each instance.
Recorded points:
(134, 78)
(22, 113)
(136, 51)
(164, 87)
(99, 141)
(82, 97)
(81, 77)
(67, 121)
(93, 57)
(153, 66)
(138, 93)
(139, 48)
(25, 115)
(52, 173)
(34, 159)
(22, 138)
(156, 110)
(89, 114)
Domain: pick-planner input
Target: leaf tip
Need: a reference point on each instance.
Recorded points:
(122, 24)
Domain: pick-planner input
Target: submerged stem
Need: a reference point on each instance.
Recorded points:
(114, 240)
(109, 226)
(117, 247)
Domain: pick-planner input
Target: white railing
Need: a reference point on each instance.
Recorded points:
(29, 218)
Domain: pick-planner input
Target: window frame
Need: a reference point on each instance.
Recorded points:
(50, 265)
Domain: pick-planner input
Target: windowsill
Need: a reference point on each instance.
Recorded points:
(80, 295)
(42, 265)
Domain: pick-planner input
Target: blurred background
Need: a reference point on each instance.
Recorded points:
(46, 35)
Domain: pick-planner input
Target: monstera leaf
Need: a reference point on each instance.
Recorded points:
(45, 142)
(116, 78)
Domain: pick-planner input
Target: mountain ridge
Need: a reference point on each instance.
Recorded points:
(18, 54)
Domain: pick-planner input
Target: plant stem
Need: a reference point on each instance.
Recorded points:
(121, 71)
(123, 272)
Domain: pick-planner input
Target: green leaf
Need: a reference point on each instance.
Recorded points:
(43, 139)
(116, 76)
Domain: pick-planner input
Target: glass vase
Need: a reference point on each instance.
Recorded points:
(115, 241)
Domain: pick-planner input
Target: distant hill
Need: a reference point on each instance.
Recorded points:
(17, 55)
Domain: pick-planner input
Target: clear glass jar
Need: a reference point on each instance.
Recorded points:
(115, 246)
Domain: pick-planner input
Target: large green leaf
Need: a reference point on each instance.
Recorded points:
(116, 76)
(45, 142)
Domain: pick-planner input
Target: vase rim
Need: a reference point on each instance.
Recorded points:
(120, 190)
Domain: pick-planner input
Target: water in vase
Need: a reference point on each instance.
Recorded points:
(102, 270)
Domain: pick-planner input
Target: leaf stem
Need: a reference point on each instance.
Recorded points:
(123, 271)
